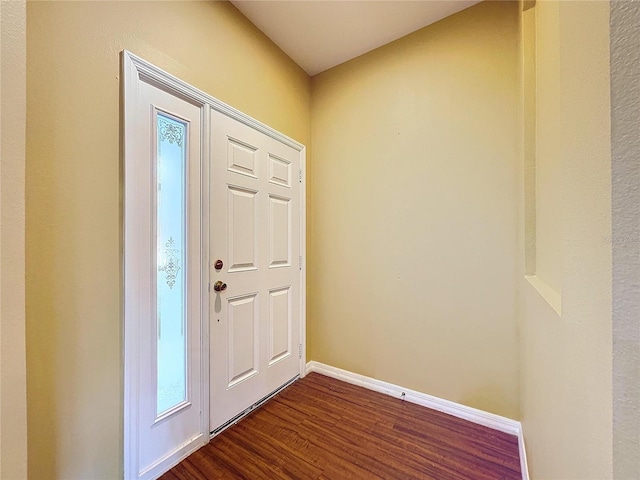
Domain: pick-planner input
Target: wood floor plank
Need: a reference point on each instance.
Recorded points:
(436, 431)
(322, 429)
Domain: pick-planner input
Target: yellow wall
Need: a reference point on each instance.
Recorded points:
(413, 226)
(528, 111)
(549, 188)
(73, 187)
(413, 197)
(13, 410)
(566, 360)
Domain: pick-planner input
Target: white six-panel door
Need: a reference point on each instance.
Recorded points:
(255, 233)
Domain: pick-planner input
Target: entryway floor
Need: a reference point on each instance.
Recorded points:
(321, 428)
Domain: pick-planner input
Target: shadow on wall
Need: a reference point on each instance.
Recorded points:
(490, 398)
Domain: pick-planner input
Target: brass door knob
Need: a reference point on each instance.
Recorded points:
(219, 286)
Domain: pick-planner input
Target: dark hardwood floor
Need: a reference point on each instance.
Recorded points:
(321, 428)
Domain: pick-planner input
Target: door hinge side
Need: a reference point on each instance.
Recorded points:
(299, 350)
(300, 262)
(300, 175)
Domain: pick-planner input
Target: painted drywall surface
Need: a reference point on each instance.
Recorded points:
(414, 214)
(566, 362)
(13, 401)
(548, 189)
(625, 125)
(528, 109)
(73, 195)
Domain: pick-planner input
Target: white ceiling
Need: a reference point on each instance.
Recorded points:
(319, 34)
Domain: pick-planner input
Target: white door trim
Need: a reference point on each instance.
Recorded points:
(135, 70)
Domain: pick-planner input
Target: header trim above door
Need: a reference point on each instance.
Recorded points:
(154, 75)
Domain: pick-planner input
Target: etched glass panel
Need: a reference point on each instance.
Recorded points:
(171, 281)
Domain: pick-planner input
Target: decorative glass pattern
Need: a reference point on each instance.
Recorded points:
(171, 281)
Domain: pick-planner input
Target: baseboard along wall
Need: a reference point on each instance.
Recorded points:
(471, 414)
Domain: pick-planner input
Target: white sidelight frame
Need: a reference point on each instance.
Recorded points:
(134, 72)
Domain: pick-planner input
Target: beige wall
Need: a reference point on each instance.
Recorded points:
(413, 226)
(413, 215)
(566, 360)
(73, 193)
(528, 137)
(549, 188)
(625, 200)
(13, 408)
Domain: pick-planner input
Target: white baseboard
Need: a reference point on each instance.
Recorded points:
(474, 415)
(524, 467)
(172, 459)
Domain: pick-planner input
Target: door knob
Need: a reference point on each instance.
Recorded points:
(219, 286)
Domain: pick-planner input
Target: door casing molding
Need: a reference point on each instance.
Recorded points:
(133, 71)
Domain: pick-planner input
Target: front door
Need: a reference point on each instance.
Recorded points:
(202, 186)
(254, 267)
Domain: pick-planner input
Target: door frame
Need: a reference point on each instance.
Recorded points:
(135, 70)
